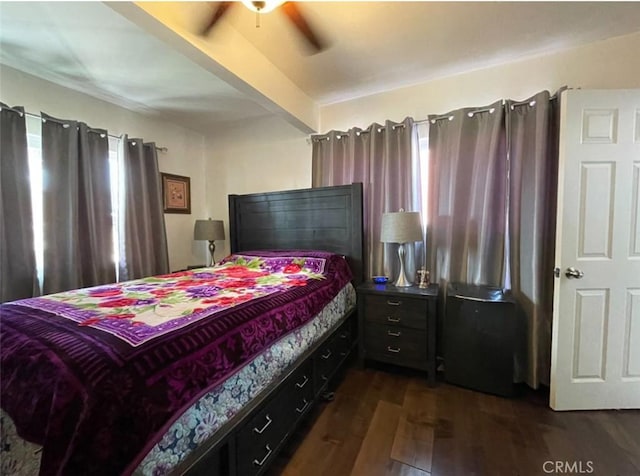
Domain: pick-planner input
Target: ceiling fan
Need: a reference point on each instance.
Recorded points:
(290, 9)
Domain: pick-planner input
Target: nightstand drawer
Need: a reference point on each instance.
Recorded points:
(393, 310)
(396, 345)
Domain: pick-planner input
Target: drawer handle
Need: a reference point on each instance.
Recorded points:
(393, 319)
(266, 425)
(304, 407)
(395, 350)
(344, 335)
(327, 355)
(261, 462)
(394, 334)
(394, 303)
(303, 383)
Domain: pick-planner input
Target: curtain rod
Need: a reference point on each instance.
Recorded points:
(433, 120)
(438, 118)
(38, 116)
(514, 104)
(320, 137)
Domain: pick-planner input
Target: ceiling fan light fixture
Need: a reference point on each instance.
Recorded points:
(262, 7)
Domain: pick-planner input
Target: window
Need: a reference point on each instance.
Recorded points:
(116, 189)
(34, 144)
(423, 158)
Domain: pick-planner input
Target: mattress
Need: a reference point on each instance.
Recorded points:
(210, 406)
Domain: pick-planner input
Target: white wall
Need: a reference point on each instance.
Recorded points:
(268, 154)
(262, 155)
(185, 155)
(609, 64)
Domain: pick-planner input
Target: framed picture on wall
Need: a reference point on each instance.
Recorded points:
(176, 193)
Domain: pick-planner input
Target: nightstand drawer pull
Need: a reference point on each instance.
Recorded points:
(327, 355)
(303, 383)
(395, 350)
(394, 334)
(304, 407)
(393, 319)
(266, 425)
(394, 303)
(261, 462)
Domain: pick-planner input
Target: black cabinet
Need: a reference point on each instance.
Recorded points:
(479, 338)
(398, 325)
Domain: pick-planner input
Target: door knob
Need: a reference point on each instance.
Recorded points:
(572, 272)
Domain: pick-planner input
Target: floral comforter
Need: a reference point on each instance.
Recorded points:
(141, 310)
(96, 376)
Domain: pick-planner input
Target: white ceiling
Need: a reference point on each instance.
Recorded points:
(107, 52)
(88, 47)
(378, 46)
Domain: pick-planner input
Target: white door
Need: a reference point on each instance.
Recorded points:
(595, 361)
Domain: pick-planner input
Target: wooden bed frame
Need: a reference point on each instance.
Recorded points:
(328, 218)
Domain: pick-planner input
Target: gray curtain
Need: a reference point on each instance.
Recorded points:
(143, 239)
(385, 160)
(491, 173)
(467, 196)
(532, 128)
(77, 215)
(18, 275)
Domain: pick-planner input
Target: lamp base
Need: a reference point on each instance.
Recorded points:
(212, 250)
(403, 280)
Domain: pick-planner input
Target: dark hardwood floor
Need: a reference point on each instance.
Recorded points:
(389, 422)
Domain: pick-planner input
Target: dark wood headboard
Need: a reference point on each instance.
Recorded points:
(327, 218)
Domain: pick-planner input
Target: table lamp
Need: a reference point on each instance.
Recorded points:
(401, 227)
(209, 230)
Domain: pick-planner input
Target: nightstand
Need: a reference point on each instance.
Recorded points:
(398, 325)
(190, 267)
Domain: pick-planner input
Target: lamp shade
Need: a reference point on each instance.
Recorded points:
(401, 227)
(209, 230)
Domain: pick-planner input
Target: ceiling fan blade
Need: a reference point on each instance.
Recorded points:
(295, 15)
(223, 7)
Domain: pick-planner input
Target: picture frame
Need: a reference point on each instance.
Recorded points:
(176, 193)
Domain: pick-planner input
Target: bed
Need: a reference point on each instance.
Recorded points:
(210, 357)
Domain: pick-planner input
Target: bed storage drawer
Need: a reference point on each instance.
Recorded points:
(345, 337)
(299, 391)
(329, 356)
(261, 437)
(326, 359)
